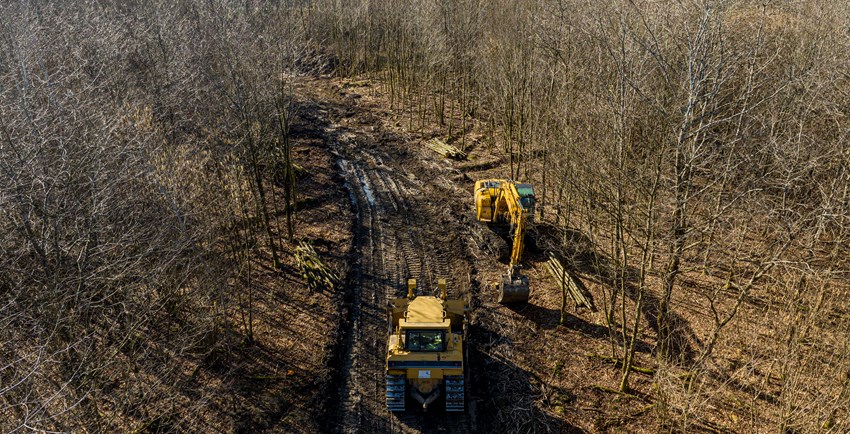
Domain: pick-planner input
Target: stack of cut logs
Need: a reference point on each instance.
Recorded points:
(445, 149)
(570, 283)
(312, 269)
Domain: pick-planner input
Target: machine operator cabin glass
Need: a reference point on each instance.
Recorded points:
(526, 196)
(426, 340)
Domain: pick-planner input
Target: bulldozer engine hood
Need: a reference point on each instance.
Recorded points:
(425, 312)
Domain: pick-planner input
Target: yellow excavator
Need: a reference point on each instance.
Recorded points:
(505, 202)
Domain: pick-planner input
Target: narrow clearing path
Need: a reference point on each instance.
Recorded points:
(406, 228)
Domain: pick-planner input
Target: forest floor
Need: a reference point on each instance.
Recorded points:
(381, 207)
(279, 381)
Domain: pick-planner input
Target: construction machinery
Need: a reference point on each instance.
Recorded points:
(503, 202)
(425, 350)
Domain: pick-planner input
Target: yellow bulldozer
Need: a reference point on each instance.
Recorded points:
(503, 202)
(425, 350)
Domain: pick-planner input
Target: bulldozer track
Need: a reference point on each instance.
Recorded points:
(399, 235)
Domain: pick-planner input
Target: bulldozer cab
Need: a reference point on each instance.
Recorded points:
(428, 341)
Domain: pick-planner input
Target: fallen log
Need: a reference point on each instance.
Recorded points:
(617, 362)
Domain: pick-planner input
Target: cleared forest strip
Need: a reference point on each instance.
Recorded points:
(396, 240)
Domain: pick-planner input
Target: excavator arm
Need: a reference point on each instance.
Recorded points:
(514, 287)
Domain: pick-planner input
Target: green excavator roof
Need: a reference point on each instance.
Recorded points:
(525, 190)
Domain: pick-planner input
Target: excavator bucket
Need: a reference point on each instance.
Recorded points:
(513, 290)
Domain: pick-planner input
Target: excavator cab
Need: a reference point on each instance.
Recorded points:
(527, 200)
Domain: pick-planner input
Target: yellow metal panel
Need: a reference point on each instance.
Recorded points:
(424, 325)
(425, 309)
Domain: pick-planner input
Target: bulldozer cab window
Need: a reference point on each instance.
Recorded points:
(426, 340)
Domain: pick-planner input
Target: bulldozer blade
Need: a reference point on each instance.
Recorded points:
(513, 290)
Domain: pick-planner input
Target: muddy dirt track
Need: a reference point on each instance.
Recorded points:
(395, 241)
(413, 220)
(406, 227)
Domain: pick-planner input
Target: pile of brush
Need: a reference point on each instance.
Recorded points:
(312, 269)
(445, 149)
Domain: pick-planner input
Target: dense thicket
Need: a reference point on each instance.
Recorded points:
(700, 146)
(136, 141)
